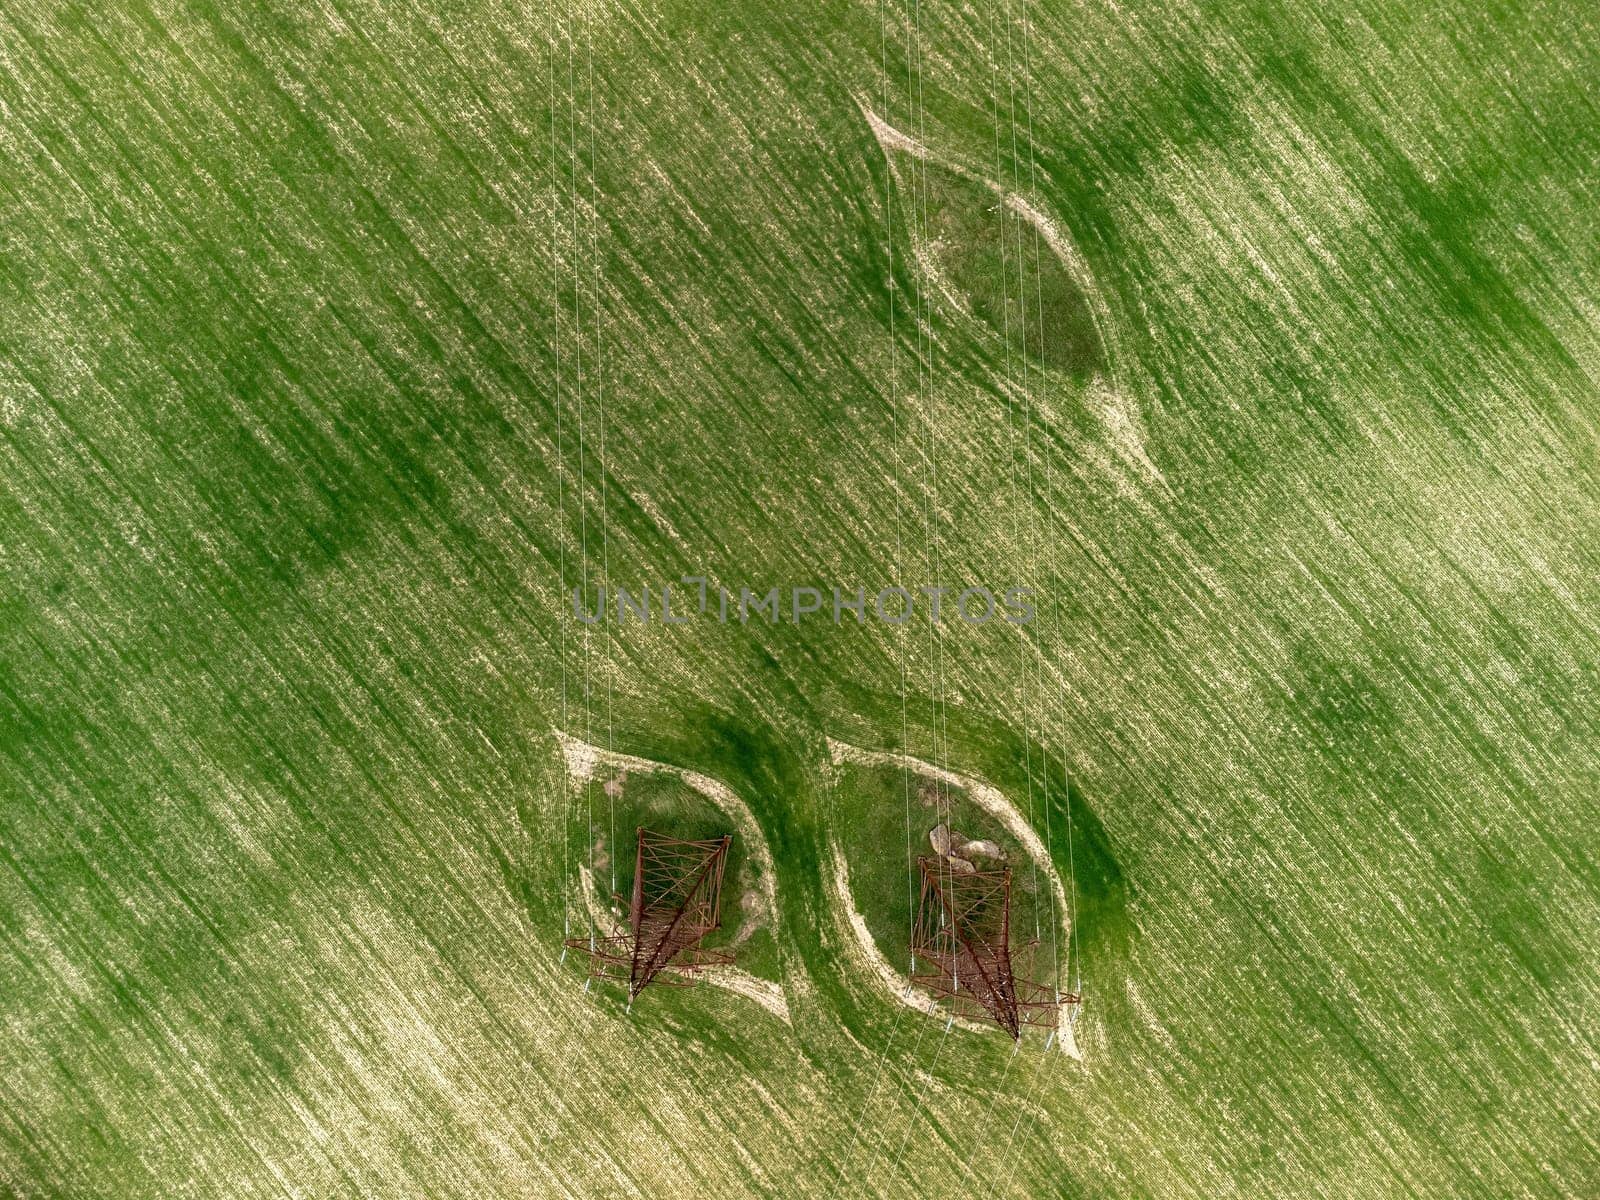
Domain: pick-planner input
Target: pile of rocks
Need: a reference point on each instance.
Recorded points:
(958, 850)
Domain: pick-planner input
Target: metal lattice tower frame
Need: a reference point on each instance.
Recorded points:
(962, 939)
(676, 902)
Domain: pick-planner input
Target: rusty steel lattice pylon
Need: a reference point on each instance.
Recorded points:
(676, 902)
(963, 939)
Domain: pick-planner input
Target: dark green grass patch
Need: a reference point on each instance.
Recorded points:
(1001, 268)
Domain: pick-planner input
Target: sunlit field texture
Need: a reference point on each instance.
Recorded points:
(337, 340)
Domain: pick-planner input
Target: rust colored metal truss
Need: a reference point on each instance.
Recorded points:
(962, 939)
(676, 902)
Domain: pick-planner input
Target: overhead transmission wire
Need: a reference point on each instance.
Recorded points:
(877, 1075)
(583, 479)
(1008, 381)
(1040, 1071)
(989, 1114)
(1045, 1066)
(911, 1125)
(1024, 657)
(1032, 538)
(877, 1083)
(561, 498)
(899, 560)
(1027, 447)
(600, 400)
(1027, 681)
(1066, 781)
(926, 349)
(1030, 373)
(941, 726)
(899, 470)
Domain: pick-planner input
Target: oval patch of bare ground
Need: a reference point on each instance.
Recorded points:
(994, 256)
(993, 802)
(970, 230)
(586, 762)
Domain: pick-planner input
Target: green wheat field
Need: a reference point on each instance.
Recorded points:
(340, 341)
